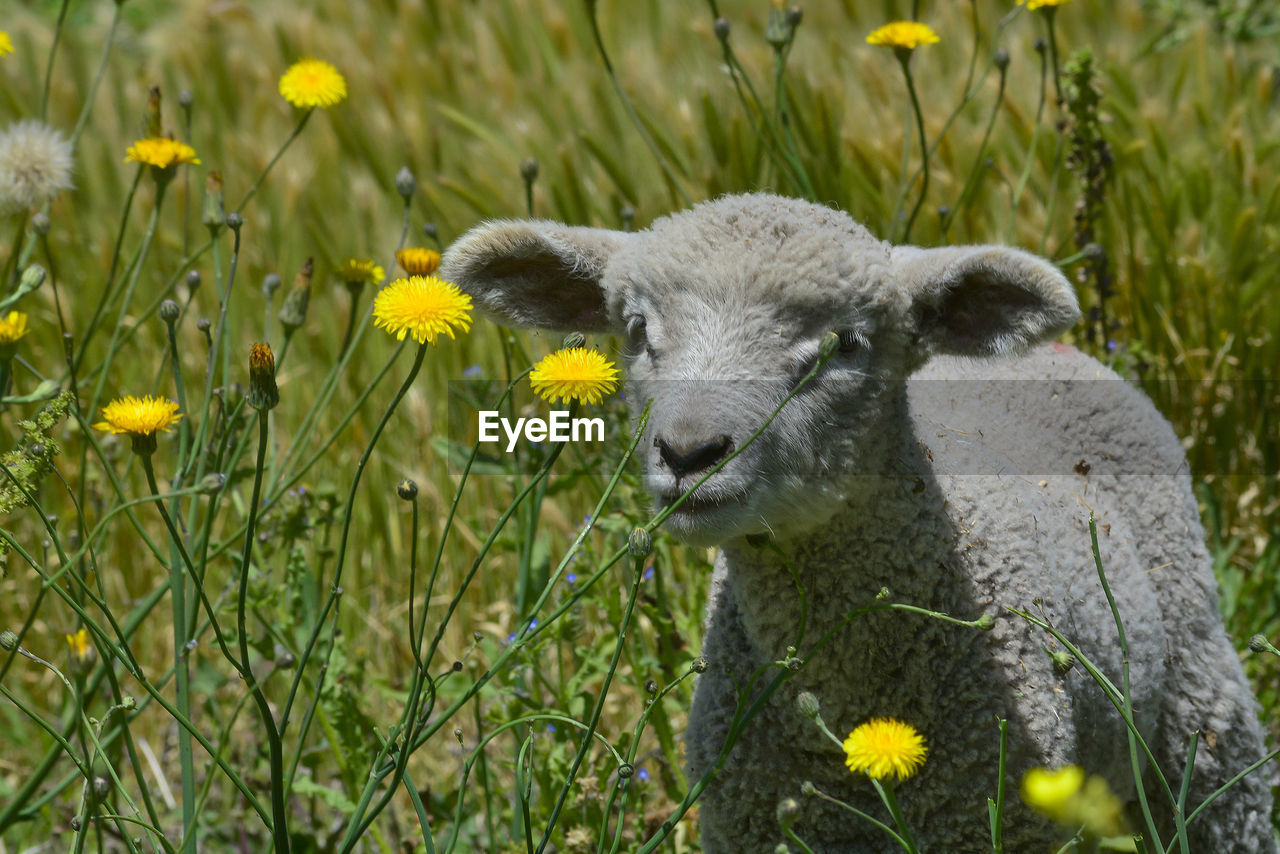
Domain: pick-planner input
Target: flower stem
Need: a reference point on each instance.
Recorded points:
(257, 182)
(904, 58)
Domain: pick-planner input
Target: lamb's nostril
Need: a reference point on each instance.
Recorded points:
(688, 457)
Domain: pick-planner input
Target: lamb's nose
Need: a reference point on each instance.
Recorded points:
(688, 457)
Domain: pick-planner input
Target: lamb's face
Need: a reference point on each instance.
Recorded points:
(722, 317)
(722, 309)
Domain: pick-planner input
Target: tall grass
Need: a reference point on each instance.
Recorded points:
(462, 93)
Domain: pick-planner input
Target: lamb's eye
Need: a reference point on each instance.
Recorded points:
(637, 336)
(851, 341)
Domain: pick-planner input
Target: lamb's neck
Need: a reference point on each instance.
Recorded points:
(889, 533)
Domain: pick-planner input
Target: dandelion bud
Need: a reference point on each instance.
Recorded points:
(828, 345)
(808, 705)
(1040, 45)
(457, 733)
(234, 221)
(794, 16)
(807, 788)
(8, 640)
(1063, 662)
(651, 686)
(40, 223)
(986, 622)
(270, 284)
(263, 393)
(1001, 59)
(169, 311)
(128, 704)
(211, 484)
(193, 281)
(215, 212)
(407, 490)
(529, 169)
(1094, 252)
(721, 28)
(782, 848)
(628, 215)
(204, 324)
(153, 112)
(405, 183)
(186, 99)
(75, 823)
(294, 311)
(640, 543)
(32, 278)
(944, 211)
(625, 770)
(788, 811)
(574, 340)
(100, 787)
(699, 664)
(429, 230)
(1259, 643)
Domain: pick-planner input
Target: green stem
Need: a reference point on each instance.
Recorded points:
(257, 182)
(53, 52)
(904, 59)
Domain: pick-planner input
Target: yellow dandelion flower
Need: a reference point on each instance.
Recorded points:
(139, 416)
(421, 306)
(417, 261)
(312, 83)
(574, 373)
(363, 271)
(160, 152)
(1071, 800)
(904, 35)
(1032, 5)
(6, 46)
(12, 328)
(79, 644)
(884, 747)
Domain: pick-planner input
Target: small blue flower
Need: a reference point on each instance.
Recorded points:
(571, 577)
(648, 573)
(642, 774)
(511, 638)
(472, 372)
(551, 727)
(533, 624)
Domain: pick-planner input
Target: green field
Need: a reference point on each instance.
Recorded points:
(1136, 143)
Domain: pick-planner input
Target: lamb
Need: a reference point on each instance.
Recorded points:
(945, 452)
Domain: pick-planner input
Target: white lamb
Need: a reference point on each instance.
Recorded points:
(965, 489)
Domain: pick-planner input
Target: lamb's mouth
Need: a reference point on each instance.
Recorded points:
(697, 505)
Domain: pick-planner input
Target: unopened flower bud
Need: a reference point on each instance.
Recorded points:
(405, 183)
(214, 214)
(263, 393)
(212, 483)
(721, 28)
(8, 640)
(529, 169)
(270, 284)
(234, 221)
(788, 811)
(1063, 662)
(651, 686)
(1040, 45)
(628, 216)
(100, 787)
(204, 324)
(986, 622)
(407, 490)
(808, 705)
(32, 278)
(640, 543)
(625, 770)
(429, 230)
(40, 223)
(186, 99)
(1001, 59)
(794, 16)
(294, 311)
(699, 664)
(153, 112)
(828, 345)
(574, 340)
(1259, 643)
(193, 280)
(169, 311)
(128, 704)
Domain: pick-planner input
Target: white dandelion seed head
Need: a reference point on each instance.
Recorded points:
(35, 165)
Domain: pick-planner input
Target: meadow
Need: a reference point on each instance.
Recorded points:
(389, 638)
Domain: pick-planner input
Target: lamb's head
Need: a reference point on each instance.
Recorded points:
(723, 309)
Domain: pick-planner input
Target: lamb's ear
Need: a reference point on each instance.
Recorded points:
(535, 272)
(983, 300)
